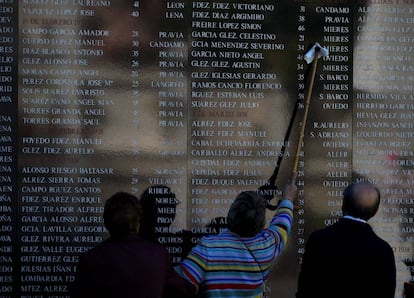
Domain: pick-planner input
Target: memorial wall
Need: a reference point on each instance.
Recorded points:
(195, 98)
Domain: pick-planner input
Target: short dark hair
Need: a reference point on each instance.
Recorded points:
(122, 214)
(247, 214)
(353, 207)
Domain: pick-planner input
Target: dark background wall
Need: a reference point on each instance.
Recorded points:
(104, 96)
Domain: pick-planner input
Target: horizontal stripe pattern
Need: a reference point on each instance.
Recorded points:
(224, 267)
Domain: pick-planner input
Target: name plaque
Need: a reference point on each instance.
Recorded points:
(197, 96)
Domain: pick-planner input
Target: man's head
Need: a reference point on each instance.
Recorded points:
(122, 214)
(361, 200)
(247, 214)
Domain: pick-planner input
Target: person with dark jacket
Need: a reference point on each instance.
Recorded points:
(347, 259)
(125, 265)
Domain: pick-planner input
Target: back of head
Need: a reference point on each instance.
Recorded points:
(247, 214)
(361, 200)
(122, 214)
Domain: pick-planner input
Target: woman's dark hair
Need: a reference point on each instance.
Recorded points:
(247, 214)
(122, 214)
(352, 205)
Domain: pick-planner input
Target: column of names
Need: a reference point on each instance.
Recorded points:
(230, 82)
(384, 105)
(63, 105)
(331, 126)
(8, 142)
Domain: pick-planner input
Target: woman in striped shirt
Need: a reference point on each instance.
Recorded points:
(236, 262)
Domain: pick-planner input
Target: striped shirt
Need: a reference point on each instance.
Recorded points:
(226, 265)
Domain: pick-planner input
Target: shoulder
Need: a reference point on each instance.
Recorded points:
(135, 242)
(146, 245)
(381, 243)
(323, 235)
(96, 251)
(225, 238)
(326, 231)
(225, 233)
(93, 256)
(345, 227)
